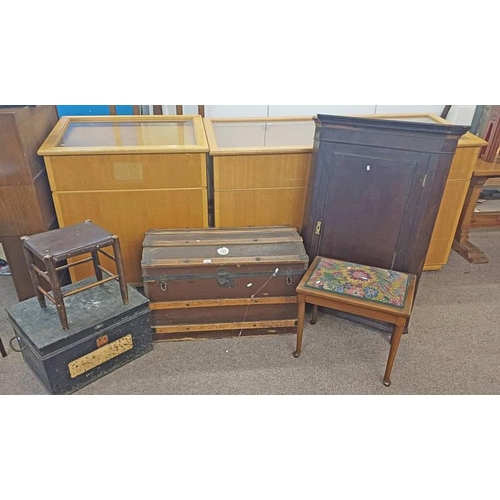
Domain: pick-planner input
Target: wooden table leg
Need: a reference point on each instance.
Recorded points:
(395, 339)
(461, 243)
(300, 325)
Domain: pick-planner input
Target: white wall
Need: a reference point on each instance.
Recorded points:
(216, 111)
(462, 115)
(314, 109)
(459, 114)
(383, 109)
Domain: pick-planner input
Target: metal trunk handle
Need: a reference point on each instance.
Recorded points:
(21, 349)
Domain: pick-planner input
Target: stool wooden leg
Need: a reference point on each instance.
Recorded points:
(300, 324)
(314, 315)
(2, 349)
(35, 279)
(56, 290)
(97, 270)
(395, 339)
(119, 267)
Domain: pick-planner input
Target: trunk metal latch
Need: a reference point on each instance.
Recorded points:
(289, 278)
(224, 279)
(163, 282)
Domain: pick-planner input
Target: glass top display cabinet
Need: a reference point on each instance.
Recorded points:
(260, 169)
(128, 174)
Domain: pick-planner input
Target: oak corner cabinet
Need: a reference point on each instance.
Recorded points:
(260, 169)
(128, 174)
(375, 189)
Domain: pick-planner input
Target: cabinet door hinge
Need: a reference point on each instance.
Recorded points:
(318, 228)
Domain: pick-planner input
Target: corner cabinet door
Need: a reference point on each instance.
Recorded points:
(362, 192)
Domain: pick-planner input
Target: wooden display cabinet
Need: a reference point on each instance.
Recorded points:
(128, 174)
(260, 170)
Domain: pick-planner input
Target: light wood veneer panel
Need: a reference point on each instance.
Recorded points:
(129, 214)
(101, 172)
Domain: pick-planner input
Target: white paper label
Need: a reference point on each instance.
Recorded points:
(223, 251)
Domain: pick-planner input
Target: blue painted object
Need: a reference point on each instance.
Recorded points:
(84, 110)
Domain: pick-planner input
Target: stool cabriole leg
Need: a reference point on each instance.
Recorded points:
(300, 324)
(120, 269)
(314, 315)
(35, 279)
(56, 290)
(395, 339)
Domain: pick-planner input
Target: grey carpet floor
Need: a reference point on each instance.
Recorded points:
(453, 348)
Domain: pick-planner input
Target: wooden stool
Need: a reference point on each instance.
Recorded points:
(366, 291)
(61, 244)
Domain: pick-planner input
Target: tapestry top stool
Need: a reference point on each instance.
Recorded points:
(370, 292)
(53, 247)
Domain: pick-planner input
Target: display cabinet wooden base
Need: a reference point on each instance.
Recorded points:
(128, 175)
(260, 170)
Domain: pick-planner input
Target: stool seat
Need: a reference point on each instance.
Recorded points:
(66, 242)
(52, 247)
(370, 292)
(357, 283)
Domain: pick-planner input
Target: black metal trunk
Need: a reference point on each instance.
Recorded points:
(103, 335)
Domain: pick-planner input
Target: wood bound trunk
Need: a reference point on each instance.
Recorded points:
(213, 283)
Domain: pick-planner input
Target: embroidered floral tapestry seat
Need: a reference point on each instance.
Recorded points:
(363, 282)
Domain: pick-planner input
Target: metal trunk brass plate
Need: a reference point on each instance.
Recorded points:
(100, 356)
